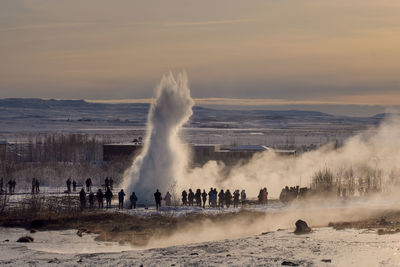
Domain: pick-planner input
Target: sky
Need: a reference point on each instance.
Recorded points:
(280, 51)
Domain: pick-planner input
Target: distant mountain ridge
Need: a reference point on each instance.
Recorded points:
(36, 114)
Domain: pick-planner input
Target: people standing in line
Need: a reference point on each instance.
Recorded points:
(184, 198)
(236, 196)
(157, 197)
(73, 186)
(68, 182)
(221, 198)
(133, 198)
(91, 200)
(191, 197)
(109, 196)
(167, 199)
(228, 198)
(33, 185)
(204, 198)
(243, 197)
(82, 198)
(37, 186)
(121, 196)
(100, 196)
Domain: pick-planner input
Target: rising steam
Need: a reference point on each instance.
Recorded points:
(163, 162)
(164, 157)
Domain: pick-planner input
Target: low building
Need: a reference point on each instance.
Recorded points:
(201, 153)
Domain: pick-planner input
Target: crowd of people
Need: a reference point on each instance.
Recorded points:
(215, 198)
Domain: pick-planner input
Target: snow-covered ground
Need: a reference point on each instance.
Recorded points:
(323, 247)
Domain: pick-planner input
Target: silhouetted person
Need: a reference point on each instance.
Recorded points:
(68, 182)
(191, 197)
(204, 198)
(157, 197)
(121, 196)
(260, 196)
(265, 196)
(236, 196)
(210, 197)
(33, 185)
(167, 199)
(73, 186)
(1, 184)
(100, 197)
(10, 186)
(82, 198)
(108, 196)
(221, 198)
(198, 197)
(228, 198)
(14, 183)
(133, 198)
(88, 184)
(243, 197)
(37, 186)
(106, 183)
(91, 200)
(184, 198)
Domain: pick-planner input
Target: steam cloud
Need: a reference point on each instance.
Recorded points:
(164, 156)
(374, 152)
(163, 162)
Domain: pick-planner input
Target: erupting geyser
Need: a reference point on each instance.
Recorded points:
(164, 157)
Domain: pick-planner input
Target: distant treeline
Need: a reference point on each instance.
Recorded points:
(53, 158)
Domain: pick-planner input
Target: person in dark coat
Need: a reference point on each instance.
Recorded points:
(100, 196)
(260, 196)
(106, 183)
(133, 198)
(73, 186)
(14, 183)
(33, 185)
(221, 198)
(184, 198)
(236, 196)
(37, 186)
(121, 196)
(228, 198)
(109, 196)
(68, 182)
(88, 184)
(91, 200)
(204, 198)
(157, 197)
(198, 197)
(191, 197)
(82, 198)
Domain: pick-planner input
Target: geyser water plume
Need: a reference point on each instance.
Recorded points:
(164, 156)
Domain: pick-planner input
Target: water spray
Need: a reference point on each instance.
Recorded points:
(164, 157)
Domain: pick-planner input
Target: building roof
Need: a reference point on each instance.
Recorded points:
(251, 148)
